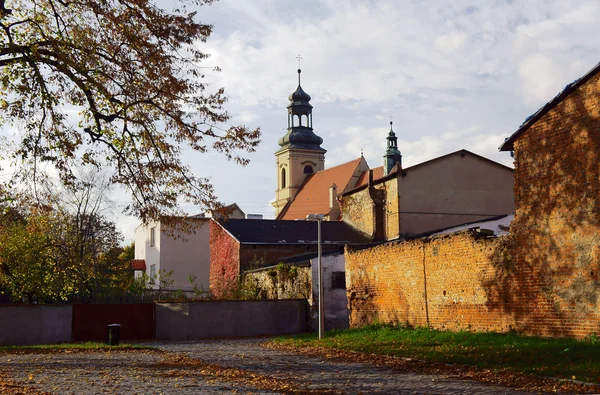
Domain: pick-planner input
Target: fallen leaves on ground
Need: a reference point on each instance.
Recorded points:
(503, 378)
(181, 365)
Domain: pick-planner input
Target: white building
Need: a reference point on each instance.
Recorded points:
(159, 250)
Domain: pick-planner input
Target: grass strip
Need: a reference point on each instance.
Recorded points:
(550, 357)
(71, 347)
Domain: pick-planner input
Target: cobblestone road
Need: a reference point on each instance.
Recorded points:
(318, 373)
(137, 372)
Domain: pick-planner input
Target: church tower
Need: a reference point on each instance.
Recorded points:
(392, 153)
(300, 154)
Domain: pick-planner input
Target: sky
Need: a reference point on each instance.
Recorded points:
(451, 75)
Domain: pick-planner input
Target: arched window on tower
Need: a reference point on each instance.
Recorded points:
(308, 169)
(283, 178)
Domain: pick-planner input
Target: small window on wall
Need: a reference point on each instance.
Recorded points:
(338, 280)
(283, 178)
(308, 169)
(152, 271)
(152, 236)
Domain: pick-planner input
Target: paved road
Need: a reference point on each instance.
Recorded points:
(152, 373)
(317, 373)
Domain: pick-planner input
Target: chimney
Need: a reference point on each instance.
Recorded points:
(332, 196)
(370, 177)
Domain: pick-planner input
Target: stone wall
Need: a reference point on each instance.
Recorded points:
(280, 282)
(557, 221)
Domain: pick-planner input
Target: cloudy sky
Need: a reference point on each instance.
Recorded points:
(453, 74)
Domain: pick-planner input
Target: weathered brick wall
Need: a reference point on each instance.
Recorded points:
(224, 261)
(374, 211)
(557, 221)
(445, 282)
(461, 282)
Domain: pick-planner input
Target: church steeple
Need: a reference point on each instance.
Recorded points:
(301, 153)
(300, 131)
(392, 153)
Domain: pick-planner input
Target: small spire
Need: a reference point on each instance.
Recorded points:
(361, 153)
(299, 71)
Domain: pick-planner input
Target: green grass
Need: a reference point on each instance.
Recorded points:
(562, 358)
(85, 346)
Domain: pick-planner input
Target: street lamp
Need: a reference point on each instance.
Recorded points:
(319, 218)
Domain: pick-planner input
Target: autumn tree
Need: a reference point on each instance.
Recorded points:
(29, 266)
(134, 71)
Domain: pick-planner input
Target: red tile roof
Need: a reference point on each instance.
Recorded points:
(364, 177)
(313, 197)
(138, 264)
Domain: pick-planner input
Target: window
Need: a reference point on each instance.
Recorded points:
(308, 169)
(338, 280)
(152, 236)
(152, 271)
(283, 178)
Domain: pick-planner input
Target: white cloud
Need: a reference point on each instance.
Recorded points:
(454, 74)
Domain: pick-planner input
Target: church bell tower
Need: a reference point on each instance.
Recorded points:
(392, 153)
(300, 154)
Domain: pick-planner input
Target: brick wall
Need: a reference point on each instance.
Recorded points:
(224, 261)
(557, 221)
(446, 282)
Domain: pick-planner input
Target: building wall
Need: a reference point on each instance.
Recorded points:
(144, 249)
(453, 190)
(181, 247)
(224, 261)
(294, 161)
(557, 193)
(374, 211)
(335, 301)
(186, 252)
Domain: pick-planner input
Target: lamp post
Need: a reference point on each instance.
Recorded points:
(319, 218)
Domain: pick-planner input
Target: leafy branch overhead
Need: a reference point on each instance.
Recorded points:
(133, 71)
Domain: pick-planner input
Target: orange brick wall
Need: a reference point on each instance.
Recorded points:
(557, 221)
(445, 282)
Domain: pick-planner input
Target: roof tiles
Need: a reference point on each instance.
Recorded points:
(313, 197)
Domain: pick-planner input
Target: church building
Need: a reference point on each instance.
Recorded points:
(389, 201)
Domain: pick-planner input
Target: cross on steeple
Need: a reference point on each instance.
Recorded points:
(299, 71)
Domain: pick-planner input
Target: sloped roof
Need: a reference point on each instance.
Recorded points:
(364, 177)
(313, 197)
(269, 231)
(138, 264)
(508, 144)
